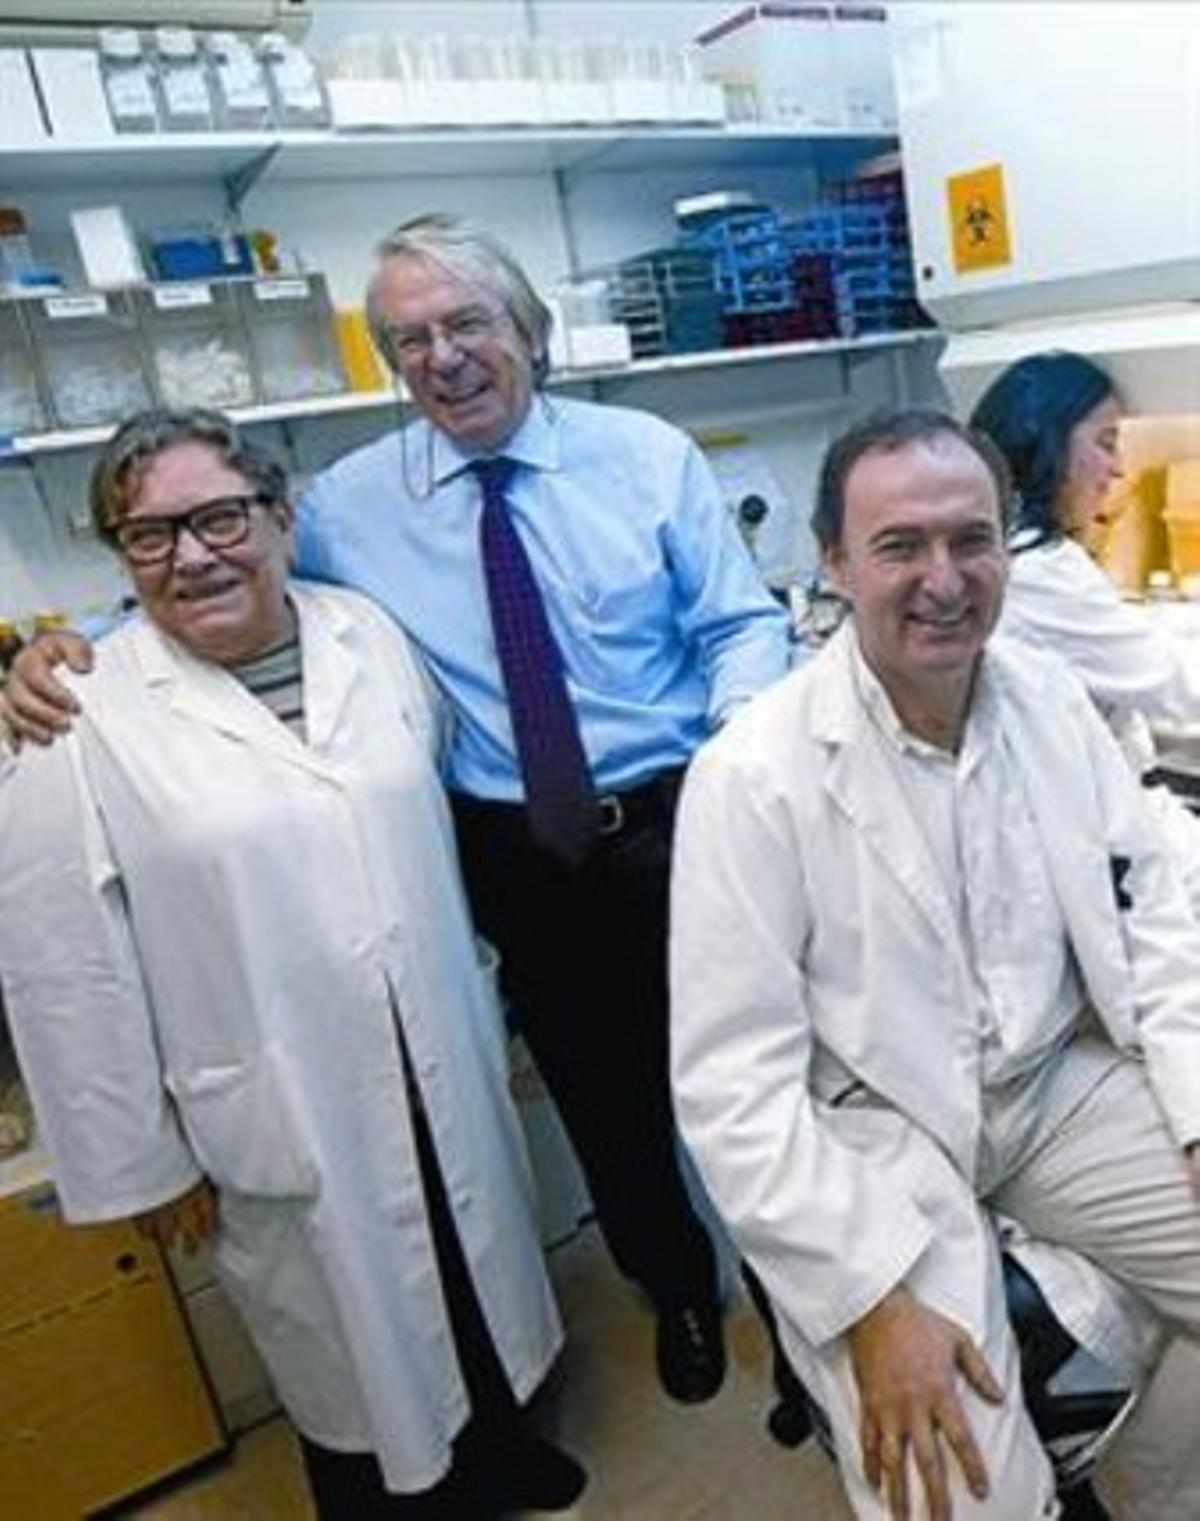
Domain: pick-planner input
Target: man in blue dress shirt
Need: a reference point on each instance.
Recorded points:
(663, 628)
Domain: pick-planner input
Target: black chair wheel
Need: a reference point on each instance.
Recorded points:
(789, 1423)
(1081, 1504)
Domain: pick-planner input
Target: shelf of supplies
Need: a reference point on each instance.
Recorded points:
(421, 152)
(25, 445)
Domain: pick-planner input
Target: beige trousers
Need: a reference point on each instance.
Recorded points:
(1102, 1176)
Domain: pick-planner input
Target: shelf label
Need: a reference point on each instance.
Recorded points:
(91, 305)
(978, 210)
(168, 297)
(280, 290)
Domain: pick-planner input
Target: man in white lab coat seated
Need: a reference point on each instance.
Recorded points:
(931, 960)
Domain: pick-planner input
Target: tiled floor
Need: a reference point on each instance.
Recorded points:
(649, 1459)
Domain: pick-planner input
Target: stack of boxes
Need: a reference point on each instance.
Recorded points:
(862, 230)
(841, 269)
(669, 301)
(769, 293)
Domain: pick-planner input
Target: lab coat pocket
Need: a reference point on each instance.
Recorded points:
(242, 1130)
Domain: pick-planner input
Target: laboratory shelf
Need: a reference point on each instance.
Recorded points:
(242, 158)
(467, 151)
(183, 158)
(27, 1169)
(60, 440)
(24, 445)
(767, 352)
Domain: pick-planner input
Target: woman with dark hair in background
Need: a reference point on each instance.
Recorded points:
(1055, 418)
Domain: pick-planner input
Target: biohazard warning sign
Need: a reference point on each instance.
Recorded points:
(979, 232)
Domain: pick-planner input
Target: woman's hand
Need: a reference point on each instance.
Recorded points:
(187, 1221)
(34, 704)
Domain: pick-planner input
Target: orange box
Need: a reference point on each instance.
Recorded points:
(1183, 543)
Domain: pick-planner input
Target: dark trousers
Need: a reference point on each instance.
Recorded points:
(583, 953)
(348, 1486)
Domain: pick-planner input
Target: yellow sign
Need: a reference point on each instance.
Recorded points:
(978, 219)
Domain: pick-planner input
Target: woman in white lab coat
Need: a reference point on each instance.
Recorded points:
(246, 996)
(1055, 419)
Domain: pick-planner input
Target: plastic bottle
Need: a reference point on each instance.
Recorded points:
(16, 254)
(241, 99)
(11, 645)
(297, 95)
(184, 99)
(49, 622)
(128, 80)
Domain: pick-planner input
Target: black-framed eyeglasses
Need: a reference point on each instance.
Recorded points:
(221, 523)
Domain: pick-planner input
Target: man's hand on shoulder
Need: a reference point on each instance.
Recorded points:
(907, 1362)
(34, 704)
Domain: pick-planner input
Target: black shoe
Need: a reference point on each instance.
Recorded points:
(533, 1474)
(690, 1351)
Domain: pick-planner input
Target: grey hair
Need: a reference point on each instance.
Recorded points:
(124, 459)
(477, 257)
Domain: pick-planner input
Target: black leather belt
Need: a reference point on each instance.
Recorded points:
(641, 805)
(620, 812)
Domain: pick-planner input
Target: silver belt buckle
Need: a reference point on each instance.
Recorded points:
(611, 814)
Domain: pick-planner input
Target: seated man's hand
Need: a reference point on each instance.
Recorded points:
(907, 1362)
(189, 1220)
(34, 705)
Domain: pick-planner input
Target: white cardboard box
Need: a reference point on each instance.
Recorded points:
(73, 92)
(598, 345)
(783, 56)
(19, 108)
(107, 247)
(863, 53)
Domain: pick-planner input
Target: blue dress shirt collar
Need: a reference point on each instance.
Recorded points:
(536, 443)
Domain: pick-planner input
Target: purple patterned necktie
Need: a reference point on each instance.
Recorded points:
(559, 796)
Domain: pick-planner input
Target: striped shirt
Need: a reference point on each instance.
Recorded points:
(276, 678)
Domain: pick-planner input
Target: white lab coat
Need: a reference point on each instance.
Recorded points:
(1138, 672)
(1058, 599)
(814, 947)
(205, 928)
